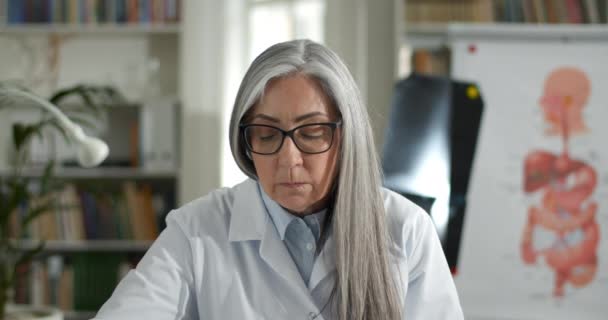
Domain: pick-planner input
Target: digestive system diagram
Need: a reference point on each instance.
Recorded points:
(562, 228)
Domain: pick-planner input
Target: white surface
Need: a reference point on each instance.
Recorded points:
(492, 278)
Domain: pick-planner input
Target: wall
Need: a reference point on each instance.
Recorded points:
(363, 33)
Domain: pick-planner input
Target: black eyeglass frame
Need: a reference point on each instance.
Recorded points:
(290, 134)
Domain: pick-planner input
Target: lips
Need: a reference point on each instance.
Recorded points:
(292, 184)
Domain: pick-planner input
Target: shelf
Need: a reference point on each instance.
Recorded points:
(429, 35)
(101, 173)
(79, 315)
(89, 245)
(102, 29)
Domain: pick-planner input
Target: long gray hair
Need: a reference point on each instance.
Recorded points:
(366, 287)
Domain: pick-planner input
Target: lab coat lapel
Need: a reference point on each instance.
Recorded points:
(274, 252)
(250, 221)
(325, 264)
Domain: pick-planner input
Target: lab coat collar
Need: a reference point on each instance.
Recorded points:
(248, 215)
(279, 216)
(282, 219)
(250, 221)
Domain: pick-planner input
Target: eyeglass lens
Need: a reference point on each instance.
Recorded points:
(310, 138)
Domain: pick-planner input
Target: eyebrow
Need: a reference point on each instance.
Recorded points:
(297, 119)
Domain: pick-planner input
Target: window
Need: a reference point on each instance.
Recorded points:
(270, 22)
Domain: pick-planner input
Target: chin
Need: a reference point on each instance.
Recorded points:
(294, 206)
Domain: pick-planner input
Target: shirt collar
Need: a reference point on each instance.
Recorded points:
(281, 218)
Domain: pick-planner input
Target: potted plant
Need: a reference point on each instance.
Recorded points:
(15, 187)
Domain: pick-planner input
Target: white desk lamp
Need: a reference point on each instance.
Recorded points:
(91, 151)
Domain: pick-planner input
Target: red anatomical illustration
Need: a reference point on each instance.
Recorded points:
(562, 228)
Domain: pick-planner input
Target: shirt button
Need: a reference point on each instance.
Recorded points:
(309, 246)
(312, 315)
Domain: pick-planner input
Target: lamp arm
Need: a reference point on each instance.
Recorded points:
(73, 129)
(91, 152)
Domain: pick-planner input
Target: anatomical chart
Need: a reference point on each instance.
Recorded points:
(535, 236)
(562, 228)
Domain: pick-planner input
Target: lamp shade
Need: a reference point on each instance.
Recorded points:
(91, 152)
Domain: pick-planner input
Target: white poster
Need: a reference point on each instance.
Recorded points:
(535, 236)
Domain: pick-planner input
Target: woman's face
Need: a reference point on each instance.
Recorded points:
(298, 181)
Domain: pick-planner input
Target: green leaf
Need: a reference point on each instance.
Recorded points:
(18, 135)
(87, 96)
(23, 132)
(28, 255)
(19, 195)
(57, 97)
(45, 180)
(36, 212)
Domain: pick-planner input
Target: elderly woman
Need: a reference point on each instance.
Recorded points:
(312, 234)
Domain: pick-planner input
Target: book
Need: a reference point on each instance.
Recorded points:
(518, 11)
(172, 10)
(539, 10)
(43, 227)
(121, 11)
(75, 213)
(552, 13)
(95, 277)
(575, 15)
(122, 212)
(602, 8)
(529, 12)
(134, 210)
(74, 11)
(3, 12)
(132, 14)
(591, 11)
(65, 289)
(149, 222)
(107, 222)
(90, 214)
(561, 11)
(144, 11)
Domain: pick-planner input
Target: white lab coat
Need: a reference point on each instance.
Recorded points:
(220, 257)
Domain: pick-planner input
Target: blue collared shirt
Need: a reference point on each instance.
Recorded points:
(300, 235)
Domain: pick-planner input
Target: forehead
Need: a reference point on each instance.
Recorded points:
(294, 95)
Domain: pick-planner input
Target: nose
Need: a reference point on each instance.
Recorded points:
(289, 154)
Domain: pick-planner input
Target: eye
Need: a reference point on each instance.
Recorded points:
(268, 137)
(264, 134)
(312, 132)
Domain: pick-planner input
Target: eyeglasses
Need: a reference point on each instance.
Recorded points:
(309, 138)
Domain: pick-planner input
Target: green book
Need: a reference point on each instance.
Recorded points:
(95, 277)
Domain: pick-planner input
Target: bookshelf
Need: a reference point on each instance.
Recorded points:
(103, 173)
(61, 247)
(91, 29)
(429, 28)
(435, 35)
(78, 315)
(156, 30)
